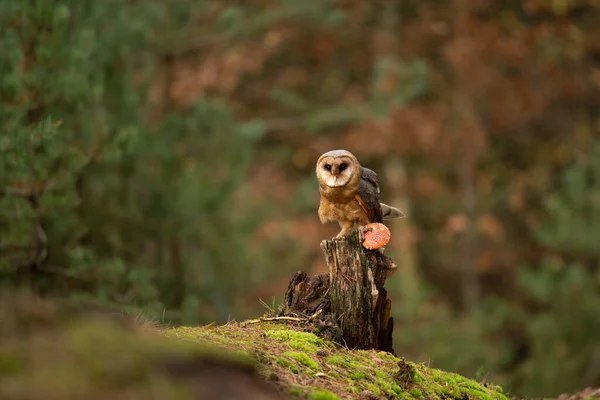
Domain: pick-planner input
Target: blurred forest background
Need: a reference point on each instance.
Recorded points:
(159, 155)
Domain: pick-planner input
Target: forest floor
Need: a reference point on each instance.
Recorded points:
(56, 352)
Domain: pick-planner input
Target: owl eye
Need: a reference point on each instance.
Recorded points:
(328, 167)
(343, 166)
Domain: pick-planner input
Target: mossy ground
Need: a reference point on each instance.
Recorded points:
(51, 354)
(307, 365)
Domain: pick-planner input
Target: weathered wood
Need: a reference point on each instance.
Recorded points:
(306, 295)
(357, 297)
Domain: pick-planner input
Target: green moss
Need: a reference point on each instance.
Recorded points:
(322, 395)
(335, 360)
(397, 389)
(282, 362)
(295, 391)
(357, 376)
(385, 356)
(297, 340)
(349, 372)
(372, 388)
(380, 374)
(342, 362)
(407, 373)
(385, 385)
(303, 346)
(352, 389)
(303, 359)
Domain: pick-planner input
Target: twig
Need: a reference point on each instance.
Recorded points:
(315, 315)
(263, 319)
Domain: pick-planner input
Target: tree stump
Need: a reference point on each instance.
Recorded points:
(352, 297)
(357, 296)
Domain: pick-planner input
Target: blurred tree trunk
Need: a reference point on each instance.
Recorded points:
(394, 171)
(470, 138)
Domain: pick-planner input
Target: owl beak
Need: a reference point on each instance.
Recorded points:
(335, 180)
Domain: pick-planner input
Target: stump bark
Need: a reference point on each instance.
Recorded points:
(357, 295)
(352, 297)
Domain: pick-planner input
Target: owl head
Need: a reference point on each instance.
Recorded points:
(336, 168)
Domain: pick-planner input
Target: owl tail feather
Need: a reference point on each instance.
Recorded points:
(390, 212)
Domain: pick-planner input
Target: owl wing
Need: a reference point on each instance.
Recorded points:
(368, 195)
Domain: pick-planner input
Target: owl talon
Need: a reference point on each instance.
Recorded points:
(361, 233)
(342, 234)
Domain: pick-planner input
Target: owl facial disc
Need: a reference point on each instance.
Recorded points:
(336, 171)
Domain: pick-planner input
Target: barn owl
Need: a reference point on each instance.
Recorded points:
(350, 193)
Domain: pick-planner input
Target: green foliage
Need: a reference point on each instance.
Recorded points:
(94, 199)
(111, 192)
(69, 114)
(573, 223)
(564, 335)
(411, 83)
(560, 328)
